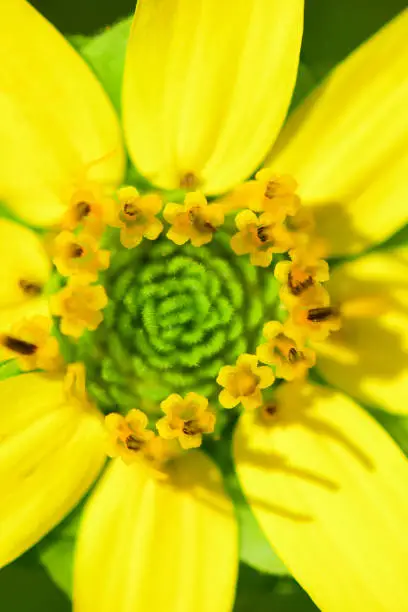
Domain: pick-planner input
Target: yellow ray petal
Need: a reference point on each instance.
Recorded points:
(368, 356)
(56, 124)
(24, 270)
(207, 85)
(156, 542)
(50, 454)
(328, 487)
(347, 144)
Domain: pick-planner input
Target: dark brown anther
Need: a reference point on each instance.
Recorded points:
(297, 288)
(189, 181)
(130, 209)
(76, 251)
(262, 234)
(133, 444)
(270, 190)
(319, 315)
(294, 355)
(19, 346)
(30, 288)
(195, 219)
(83, 210)
(209, 227)
(191, 428)
(270, 410)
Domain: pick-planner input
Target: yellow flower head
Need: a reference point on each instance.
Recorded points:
(89, 210)
(243, 382)
(305, 270)
(31, 343)
(186, 419)
(261, 237)
(137, 217)
(79, 255)
(290, 359)
(79, 305)
(268, 193)
(195, 220)
(128, 436)
(208, 108)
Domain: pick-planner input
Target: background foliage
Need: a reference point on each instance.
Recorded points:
(41, 579)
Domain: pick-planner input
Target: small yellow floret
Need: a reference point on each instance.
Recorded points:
(305, 270)
(136, 217)
(270, 193)
(195, 220)
(186, 419)
(79, 305)
(79, 255)
(89, 210)
(243, 382)
(291, 360)
(128, 436)
(31, 343)
(260, 237)
(312, 317)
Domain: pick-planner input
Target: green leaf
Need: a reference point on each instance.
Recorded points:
(305, 83)
(265, 593)
(26, 587)
(8, 369)
(56, 551)
(105, 53)
(56, 556)
(395, 425)
(255, 549)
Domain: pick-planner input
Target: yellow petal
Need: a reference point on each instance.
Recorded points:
(56, 123)
(368, 356)
(347, 144)
(156, 540)
(50, 454)
(328, 487)
(207, 86)
(24, 270)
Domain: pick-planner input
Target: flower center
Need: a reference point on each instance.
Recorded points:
(176, 315)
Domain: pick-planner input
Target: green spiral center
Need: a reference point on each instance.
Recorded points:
(176, 315)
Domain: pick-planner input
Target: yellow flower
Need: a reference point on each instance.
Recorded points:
(305, 270)
(312, 317)
(261, 237)
(194, 220)
(79, 305)
(137, 217)
(128, 435)
(243, 383)
(186, 419)
(319, 474)
(268, 193)
(88, 210)
(31, 343)
(79, 255)
(290, 360)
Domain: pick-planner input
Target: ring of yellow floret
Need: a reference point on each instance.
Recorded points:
(269, 220)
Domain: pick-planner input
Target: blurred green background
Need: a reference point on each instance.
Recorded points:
(41, 579)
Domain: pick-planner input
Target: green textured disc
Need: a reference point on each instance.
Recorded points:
(176, 315)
